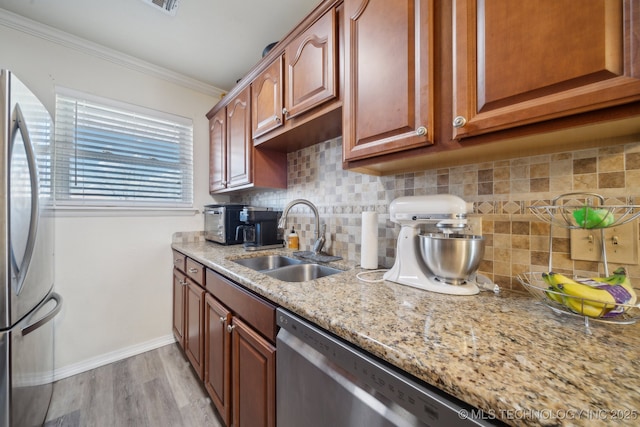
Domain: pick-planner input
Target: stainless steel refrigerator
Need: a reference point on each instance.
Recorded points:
(28, 303)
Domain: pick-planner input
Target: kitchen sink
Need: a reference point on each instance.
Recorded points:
(301, 272)
(286, 268)
(267, 262)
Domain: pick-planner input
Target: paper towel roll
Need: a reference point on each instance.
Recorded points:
(369, 242)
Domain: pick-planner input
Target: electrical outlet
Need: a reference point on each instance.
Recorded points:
(474, 225)
(621, 243)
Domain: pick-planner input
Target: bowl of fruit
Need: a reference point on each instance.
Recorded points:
(608, 299)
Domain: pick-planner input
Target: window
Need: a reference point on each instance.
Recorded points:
(109, 153)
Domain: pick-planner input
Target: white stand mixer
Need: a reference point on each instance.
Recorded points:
(447, 212)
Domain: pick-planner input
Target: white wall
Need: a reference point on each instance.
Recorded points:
(114, 272)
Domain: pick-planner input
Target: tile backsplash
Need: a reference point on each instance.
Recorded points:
(501, 191)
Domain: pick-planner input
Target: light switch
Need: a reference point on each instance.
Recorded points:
(620, 241)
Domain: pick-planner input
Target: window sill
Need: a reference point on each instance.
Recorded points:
(97, 211)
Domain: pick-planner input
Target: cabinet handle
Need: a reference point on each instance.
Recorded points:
(193, 270)
(222, 319)
(230, 328)
(178, 261)
(285, 112)
(459, 122)
(278, 120)
(183, 282)
(421, 131)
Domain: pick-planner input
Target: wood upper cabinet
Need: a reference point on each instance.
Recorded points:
(218, 151)
(388, 78)
(239, 142)
(310, 63)
(303, 78)
(266, 99)
(217, 368)
(529, 61)
(234, 163)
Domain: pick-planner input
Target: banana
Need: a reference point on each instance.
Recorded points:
(552, 294)
(593, 297)
(620, 277)
(582, 307)
(597, 297)
(555, 279)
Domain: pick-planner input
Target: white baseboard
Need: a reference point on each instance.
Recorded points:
(114, 356)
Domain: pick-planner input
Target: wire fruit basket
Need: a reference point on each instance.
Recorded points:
(588, 211)
(584, 210)
(562, 303)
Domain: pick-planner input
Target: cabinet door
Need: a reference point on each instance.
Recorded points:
(311, 66)
(194, 338)
(217, 353)
(388, 99)
(218, 152)
(253, 381)
(239, 142)
(531, 60)
(179, 293)
(266, 99)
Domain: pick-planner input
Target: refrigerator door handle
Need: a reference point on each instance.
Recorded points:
(19, 124)
(46, 318)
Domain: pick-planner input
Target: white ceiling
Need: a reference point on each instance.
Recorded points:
(213, 41)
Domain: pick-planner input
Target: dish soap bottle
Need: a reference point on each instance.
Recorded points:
(293, 242)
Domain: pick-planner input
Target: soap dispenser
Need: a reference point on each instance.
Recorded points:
(293, 242)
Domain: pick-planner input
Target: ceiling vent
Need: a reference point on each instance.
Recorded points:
(167, 6)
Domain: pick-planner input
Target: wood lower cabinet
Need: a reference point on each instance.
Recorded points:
(388, 80)
(179, 293)
(228, 335)
(532, 61)
(240, 353)
(217, 368)
(188, 308)
(254, 382)
(194, 318)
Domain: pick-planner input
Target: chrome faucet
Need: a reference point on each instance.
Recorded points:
(319, 237)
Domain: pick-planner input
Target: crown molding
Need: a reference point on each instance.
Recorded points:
(53, 35)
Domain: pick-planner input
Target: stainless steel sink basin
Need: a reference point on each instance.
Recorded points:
(286, 268)
(267, 262)
(301, 272)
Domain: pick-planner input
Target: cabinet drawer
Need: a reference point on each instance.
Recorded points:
(195, 271)
(259, 313)
(179, 260)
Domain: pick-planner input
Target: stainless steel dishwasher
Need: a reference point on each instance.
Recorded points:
(324, 381)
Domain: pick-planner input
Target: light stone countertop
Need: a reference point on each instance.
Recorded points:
(504, 353)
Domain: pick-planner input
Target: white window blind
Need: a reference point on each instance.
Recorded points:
(109, 153)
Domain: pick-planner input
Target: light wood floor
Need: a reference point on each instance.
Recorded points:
(156, 388)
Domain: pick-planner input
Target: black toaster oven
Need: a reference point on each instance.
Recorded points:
(221, 222)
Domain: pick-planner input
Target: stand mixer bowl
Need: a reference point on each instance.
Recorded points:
(452, 258)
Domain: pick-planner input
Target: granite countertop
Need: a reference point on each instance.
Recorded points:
(504, 353)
